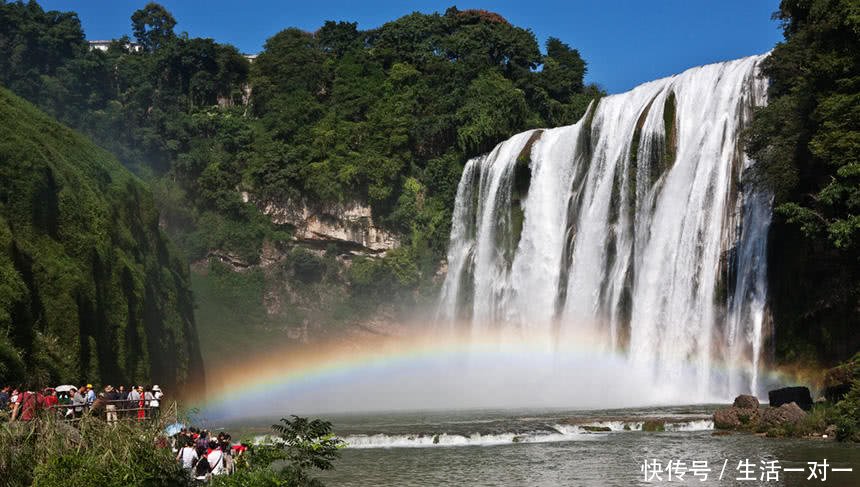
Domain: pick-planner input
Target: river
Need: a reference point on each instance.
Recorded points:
(555, 447)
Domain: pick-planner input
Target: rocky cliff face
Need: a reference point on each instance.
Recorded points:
(349, 226)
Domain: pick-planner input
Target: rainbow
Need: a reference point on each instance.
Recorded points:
(422, 371)
(292, 371)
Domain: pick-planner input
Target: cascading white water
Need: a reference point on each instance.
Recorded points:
(634, 229)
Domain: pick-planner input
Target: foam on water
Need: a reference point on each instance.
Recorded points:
(565, 433)
(555, 433)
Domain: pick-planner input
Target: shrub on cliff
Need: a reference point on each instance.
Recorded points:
(306, 266)
(845, 415)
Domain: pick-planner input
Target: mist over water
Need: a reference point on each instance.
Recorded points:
(427, 373)
(482, 379)
(636, 232)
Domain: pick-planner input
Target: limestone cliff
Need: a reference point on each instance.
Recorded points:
(349, 225)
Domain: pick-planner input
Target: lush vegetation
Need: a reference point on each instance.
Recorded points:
(846, 413)
(49, 452)
(385, 117)
(90, 289)
(807, 141)
(297, 448)
(172, 106)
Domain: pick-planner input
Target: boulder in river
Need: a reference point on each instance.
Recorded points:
(785, 414)
(654, 425)
(745, 415)
(736, 418)
(798, 395)
(746, 401)
(595, 429)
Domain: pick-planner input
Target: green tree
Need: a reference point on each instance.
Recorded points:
(339, 37)
(495, 109)
(309, 444)
(152, 26)
(808, 138)
(37, 48)
(304, 445)
(563, 70)
(290, 67)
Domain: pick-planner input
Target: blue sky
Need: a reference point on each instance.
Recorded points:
(625, 42)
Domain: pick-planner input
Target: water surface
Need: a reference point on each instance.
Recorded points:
(553, 447)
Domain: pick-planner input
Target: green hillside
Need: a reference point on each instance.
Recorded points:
(89, 287)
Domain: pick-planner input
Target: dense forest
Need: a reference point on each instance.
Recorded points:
(807, 141)
(90, 289)
(387, 117)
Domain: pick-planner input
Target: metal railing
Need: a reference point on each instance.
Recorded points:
(123, 409)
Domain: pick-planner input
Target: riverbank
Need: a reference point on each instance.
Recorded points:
(792, 413)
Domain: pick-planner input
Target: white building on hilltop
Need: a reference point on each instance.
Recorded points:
(104, 45)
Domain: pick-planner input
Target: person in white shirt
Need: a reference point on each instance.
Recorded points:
(133, 402)
(134, 396)
(147, 402)
(187, 456)
(155, 402)
(216, 459)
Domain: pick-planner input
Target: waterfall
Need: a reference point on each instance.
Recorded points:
(636, 230)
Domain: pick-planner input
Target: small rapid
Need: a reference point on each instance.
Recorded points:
(547, 434)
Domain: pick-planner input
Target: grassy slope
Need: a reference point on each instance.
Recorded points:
(89, 289)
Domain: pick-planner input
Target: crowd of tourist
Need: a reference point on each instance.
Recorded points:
(204, 455)
(200, 453)
(72, 402)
